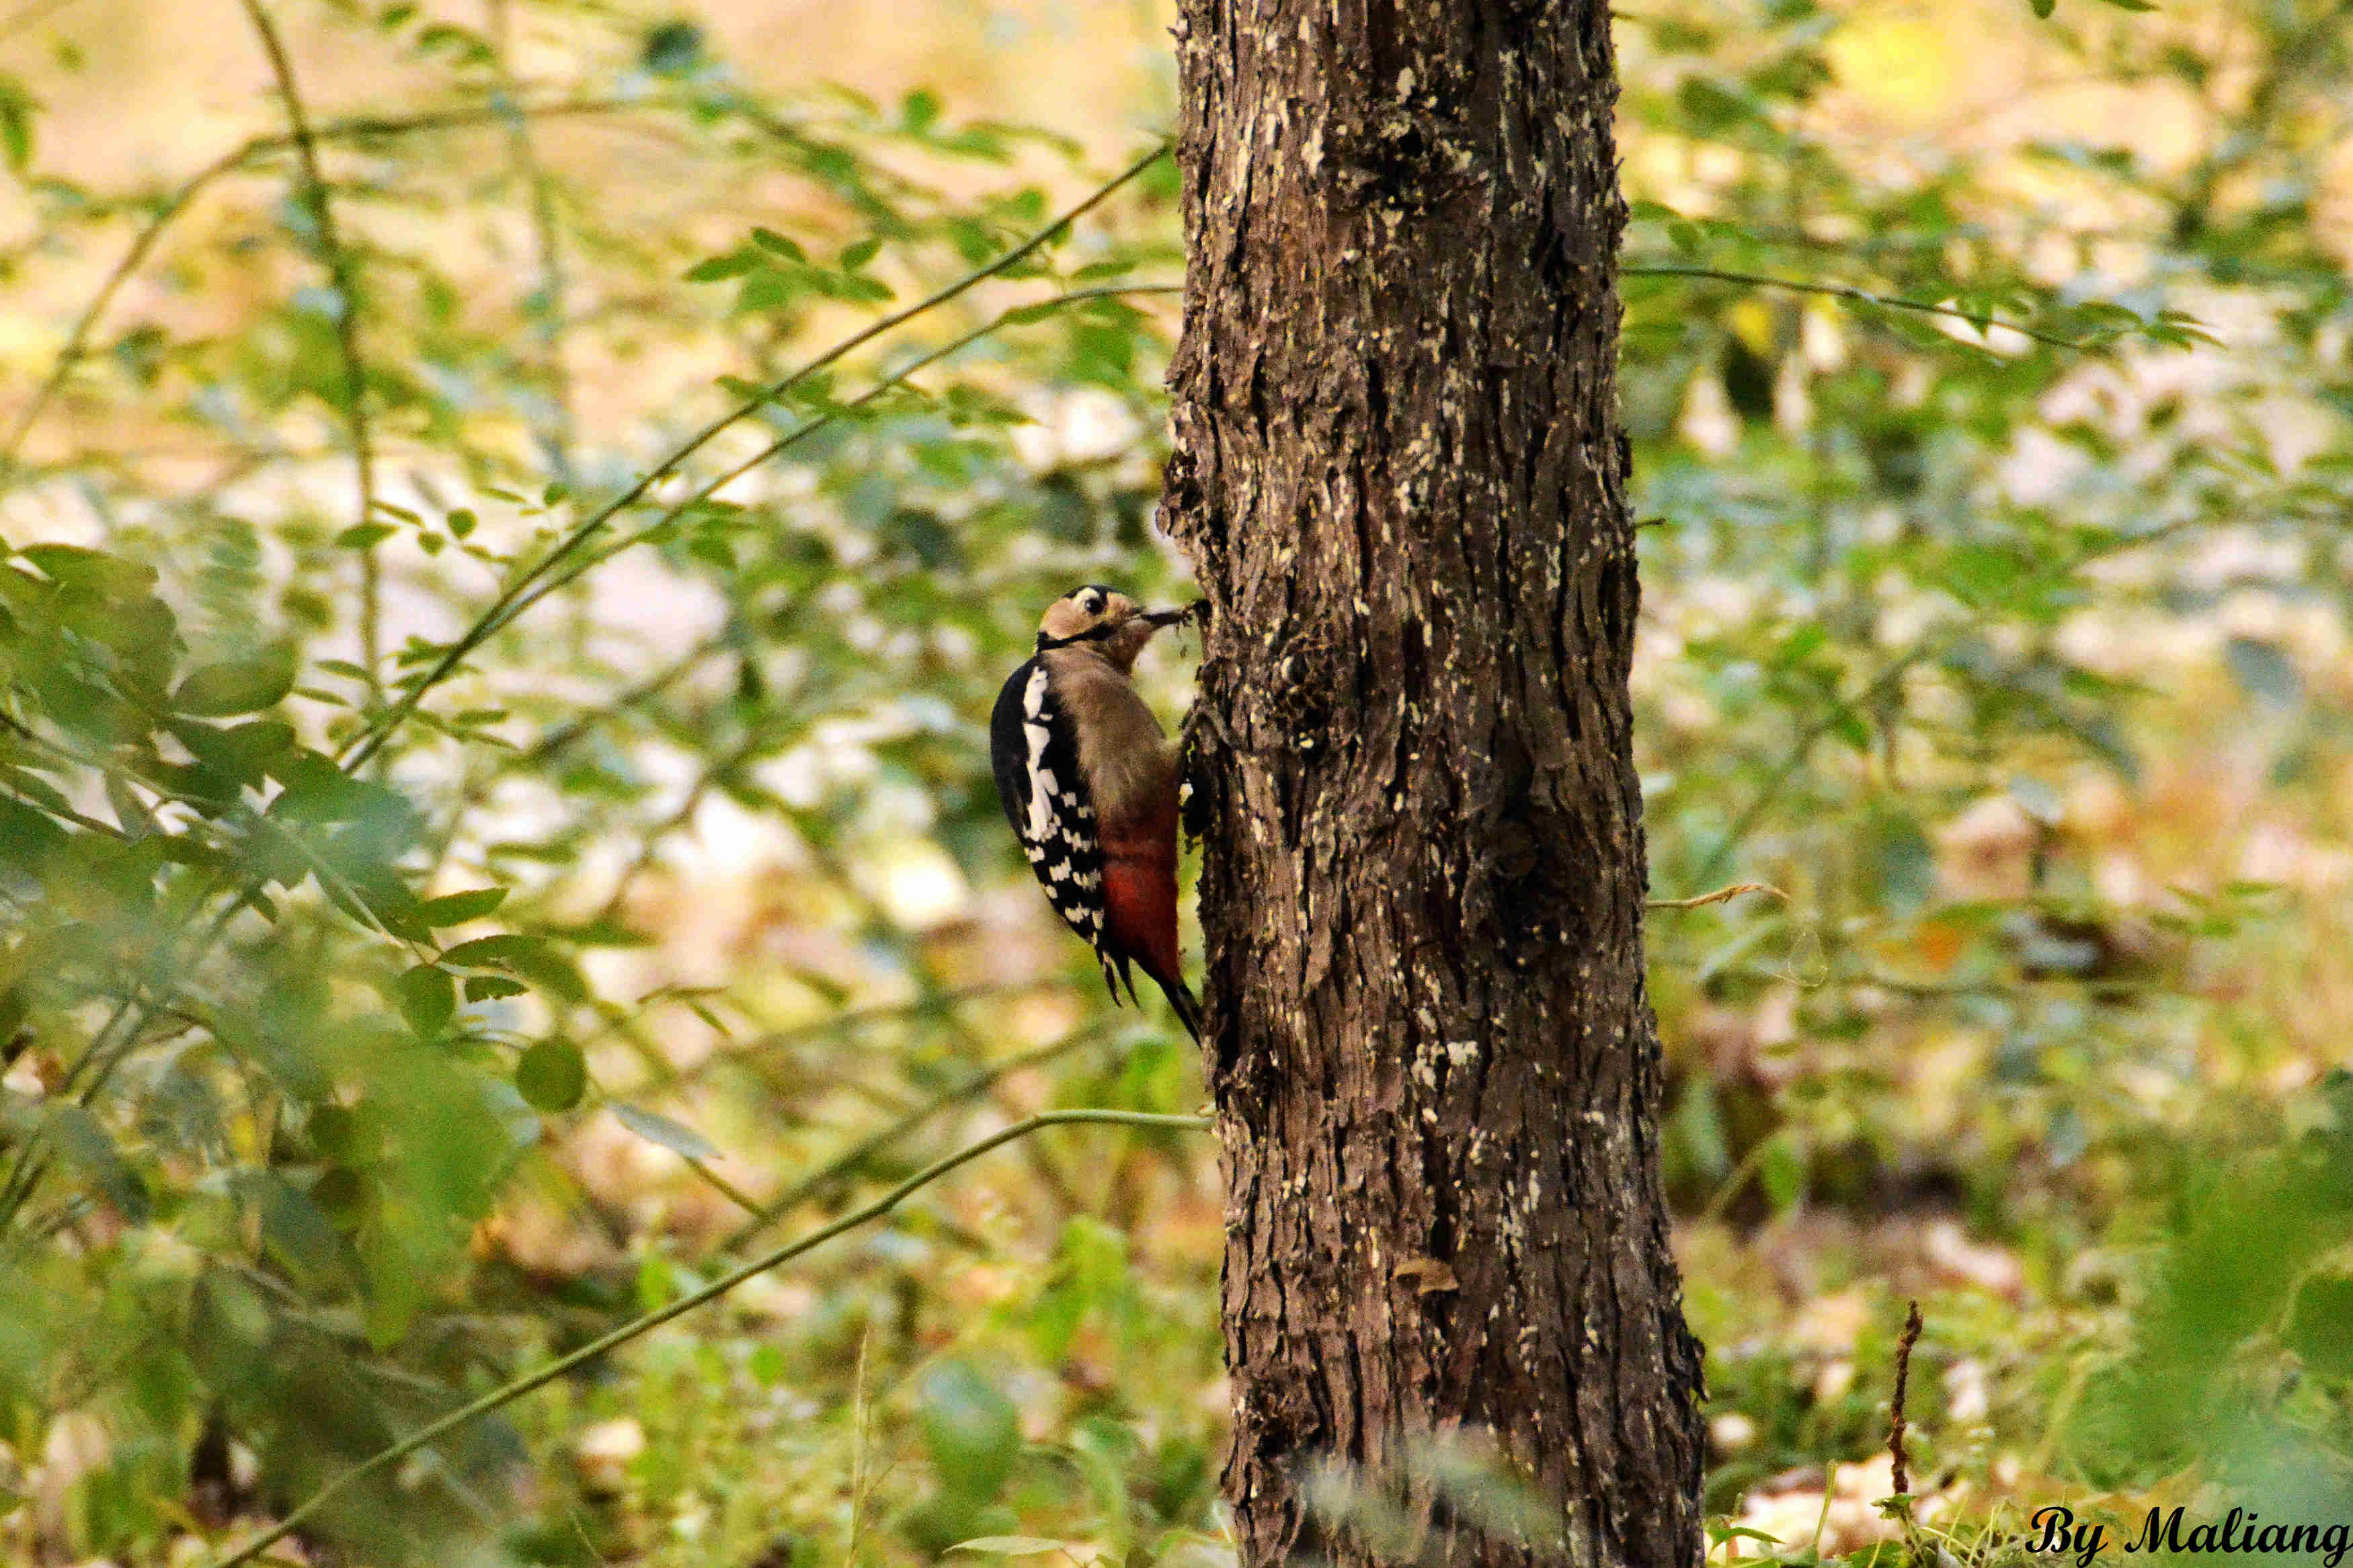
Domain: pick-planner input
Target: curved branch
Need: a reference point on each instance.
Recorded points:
(850, 1162)
(341, 274)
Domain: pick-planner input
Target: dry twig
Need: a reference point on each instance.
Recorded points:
(1903, 1461)
(1722, 895)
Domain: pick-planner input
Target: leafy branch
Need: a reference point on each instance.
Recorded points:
(544, 1375)
(1889, 679)
(543, 577)
(1012, 316)
(512, 600)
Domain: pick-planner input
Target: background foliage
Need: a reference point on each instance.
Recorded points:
(487, 851)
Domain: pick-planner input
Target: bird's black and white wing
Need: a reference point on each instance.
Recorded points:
(1034, 752)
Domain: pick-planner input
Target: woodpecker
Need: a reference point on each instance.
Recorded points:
(1089, 783)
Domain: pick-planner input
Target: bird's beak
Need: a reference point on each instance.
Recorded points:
(1169, 617)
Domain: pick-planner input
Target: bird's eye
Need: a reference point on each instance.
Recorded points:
(1091, 602)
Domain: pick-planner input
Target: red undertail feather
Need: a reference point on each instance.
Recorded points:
(1140, 897)
(1140, 909)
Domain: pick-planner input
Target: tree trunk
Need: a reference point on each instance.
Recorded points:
(1400, 475)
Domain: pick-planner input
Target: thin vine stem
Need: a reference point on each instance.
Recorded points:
(543, 1376)
(547, 309)
(143, 243)
(1849, 291)
(794, 437)
(344, 278)
(846, 1166)
(528, 587)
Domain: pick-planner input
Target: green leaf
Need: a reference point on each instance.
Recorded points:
(1699, 1127)
(767, 288)
(334, 1131)
(769, 239)
(854, 256)
(340, 1193)
(1781, 1172)
(235, 686)
(673, 48)
(658, 1129)
(1724, 1530)
(457, 909)
(365, 535)
(2320, 1327)
(920, 109)
(549, 971)
(719, 268)
(1711, 106)
(492, 987)
(86, 1145)
(971, 1429)
(490, 949)
(293, 1227)
(17, 107)
(73, 566)
(427, 998)
(242, 752)
(551, 1075)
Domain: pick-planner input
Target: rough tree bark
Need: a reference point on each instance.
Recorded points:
(1400, 475)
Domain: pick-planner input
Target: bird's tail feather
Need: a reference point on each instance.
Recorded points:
(1188, 1007)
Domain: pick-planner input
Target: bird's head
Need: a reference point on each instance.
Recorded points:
(1103, 619)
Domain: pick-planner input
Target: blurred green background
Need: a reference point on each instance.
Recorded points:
(459, 895)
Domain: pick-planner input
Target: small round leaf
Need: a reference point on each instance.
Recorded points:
(552, 1075)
